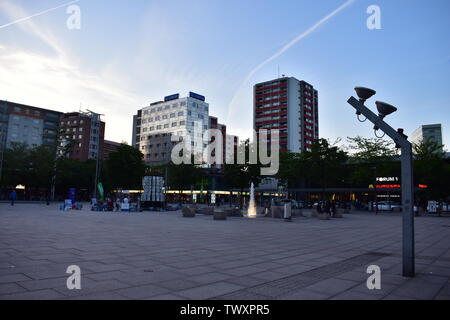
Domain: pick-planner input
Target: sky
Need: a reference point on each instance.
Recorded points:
(128, 54)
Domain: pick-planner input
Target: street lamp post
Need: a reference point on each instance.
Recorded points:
(402, 142)
(96, 122)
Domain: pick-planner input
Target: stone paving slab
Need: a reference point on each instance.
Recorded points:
(165, 256)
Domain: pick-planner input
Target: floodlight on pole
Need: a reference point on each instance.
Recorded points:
(401, 141)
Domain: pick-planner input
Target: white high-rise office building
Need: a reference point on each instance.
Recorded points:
(429, 132)
(187, 116)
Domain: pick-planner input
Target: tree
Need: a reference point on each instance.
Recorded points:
(240, 176)
(125, 168)
(291, 169)
(370, 157)
(71, 173)
(324, 164)
(15, 166)
(370, 149)
(41, 162)
(431, 169)
(182, 176)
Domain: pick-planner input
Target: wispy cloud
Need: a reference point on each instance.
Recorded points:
(56, 81)
(36, 14)
(233, 108)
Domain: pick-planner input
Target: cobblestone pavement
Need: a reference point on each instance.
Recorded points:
(162, 255)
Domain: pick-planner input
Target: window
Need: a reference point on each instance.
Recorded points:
(166, 125)
(174, 124)
(172, 115)
(165, 116)
(167, 107)
(158, 127)
(182, 123)
(16, 109)
(81, 121)
(80, 136)
(37, 113)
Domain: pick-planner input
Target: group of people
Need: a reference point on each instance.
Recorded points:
(329, 207)
(111, 204)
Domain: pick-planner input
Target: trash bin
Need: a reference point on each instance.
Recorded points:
(287, 211)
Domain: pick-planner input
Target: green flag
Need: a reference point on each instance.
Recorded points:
(100, 190)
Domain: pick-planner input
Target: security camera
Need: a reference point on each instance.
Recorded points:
(384, 109)
(364, 93)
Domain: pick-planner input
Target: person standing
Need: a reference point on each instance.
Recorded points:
(118, 204)
(13, 196)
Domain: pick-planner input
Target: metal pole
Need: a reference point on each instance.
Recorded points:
(376, 192)
(408, 211)
(96, 175)
(407, 184)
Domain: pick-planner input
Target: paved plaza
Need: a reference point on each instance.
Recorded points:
(161, 255)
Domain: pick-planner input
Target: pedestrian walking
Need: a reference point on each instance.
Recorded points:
(12, 197)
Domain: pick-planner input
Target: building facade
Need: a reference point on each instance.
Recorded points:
(214, 124)
(292, 107)
(109, 147)
(84, 134)
(429, 132)
(231, 145)
(186, 117)
(27, 124)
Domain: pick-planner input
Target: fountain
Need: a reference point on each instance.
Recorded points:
(251, 212)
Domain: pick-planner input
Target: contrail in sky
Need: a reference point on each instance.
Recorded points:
(286, 47)
(37, 14)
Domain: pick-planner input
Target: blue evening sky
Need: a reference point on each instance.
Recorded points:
(130, 53)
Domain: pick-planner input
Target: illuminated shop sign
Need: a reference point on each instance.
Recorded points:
(387, 179)
(397, 186)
